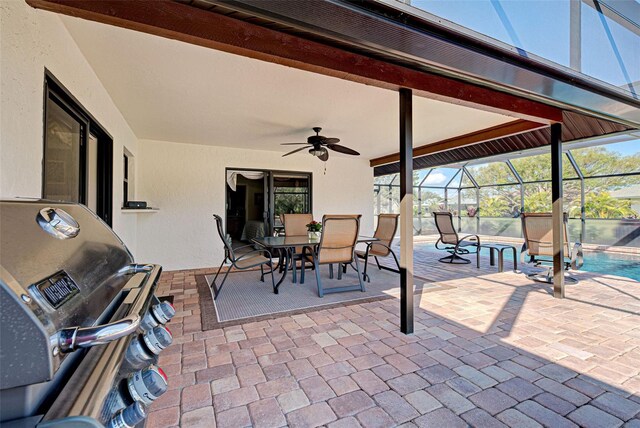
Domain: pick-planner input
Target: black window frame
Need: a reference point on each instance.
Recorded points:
(59, 94)
(269, 173)
(125, 180)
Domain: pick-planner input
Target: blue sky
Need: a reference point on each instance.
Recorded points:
(541, 27)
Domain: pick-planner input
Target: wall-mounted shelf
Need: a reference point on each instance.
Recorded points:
(139, 210)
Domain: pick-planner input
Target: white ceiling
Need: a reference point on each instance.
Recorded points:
(173, 91)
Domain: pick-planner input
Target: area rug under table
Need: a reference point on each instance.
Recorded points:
(245, 297)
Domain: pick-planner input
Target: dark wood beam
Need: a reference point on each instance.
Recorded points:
(206, 28)
(406, 211)
(500, 131)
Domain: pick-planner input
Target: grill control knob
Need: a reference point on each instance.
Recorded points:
(128, 417)
(142, 348)
(163, 312)
(147, 385)
(159, 314)
(138, 354)
(157, 339)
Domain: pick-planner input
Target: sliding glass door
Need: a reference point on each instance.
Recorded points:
(291, 195)
(255, 200)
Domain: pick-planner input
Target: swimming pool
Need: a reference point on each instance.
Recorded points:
(626, 265)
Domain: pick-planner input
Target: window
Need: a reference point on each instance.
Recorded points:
(291, 194)
(125, 189)
(128, 185)
(78, 153)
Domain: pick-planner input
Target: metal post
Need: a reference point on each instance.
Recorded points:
(446, 199)
(583, 211)
(420, 209)
(575, 35)
(521, 184)
(406, 211)
(477, 211)
(459, 209)
(558, 216)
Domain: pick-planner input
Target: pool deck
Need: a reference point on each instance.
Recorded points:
(494, 350)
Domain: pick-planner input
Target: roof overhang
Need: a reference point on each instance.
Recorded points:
(215, 30)
(576, 127)
(401, 34)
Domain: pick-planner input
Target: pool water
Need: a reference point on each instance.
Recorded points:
(626, 265)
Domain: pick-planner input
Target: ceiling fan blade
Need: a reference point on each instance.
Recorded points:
(325, 156)
(342, 149)
(294, 151)
(330, 140)
(293, 144)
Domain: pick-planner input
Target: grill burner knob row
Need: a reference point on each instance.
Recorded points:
(157, 339)
(147, 385)
(142, 348)
(128, 417)
(163, 312)
(159, 314)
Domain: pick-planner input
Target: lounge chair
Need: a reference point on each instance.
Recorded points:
(538, 247)
(337, 246)
(450, 242)
(243, 261)
(385, 232)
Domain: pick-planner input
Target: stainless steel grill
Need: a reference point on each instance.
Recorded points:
(80, 326)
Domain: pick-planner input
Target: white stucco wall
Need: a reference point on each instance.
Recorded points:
(30, 41)
(187, 183)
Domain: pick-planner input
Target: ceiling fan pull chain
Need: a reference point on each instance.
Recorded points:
(325, 168)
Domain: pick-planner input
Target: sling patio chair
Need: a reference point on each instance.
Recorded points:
(451, 243)
(244, 261)
(385, 232)
(296, 225)
(337, 246)
(538, 246)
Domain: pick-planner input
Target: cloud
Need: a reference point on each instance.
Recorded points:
(436, 178)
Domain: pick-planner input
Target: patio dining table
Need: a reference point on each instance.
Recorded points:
(285, 245)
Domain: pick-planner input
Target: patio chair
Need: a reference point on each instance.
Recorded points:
(244, 261)
(385, 232)
(538, 246)
(296, 225)
(454, 245)
(337, 246)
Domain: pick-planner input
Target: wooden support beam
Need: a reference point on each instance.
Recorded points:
(406, 211)
(557, 210)
(190, 24)
(487, 134)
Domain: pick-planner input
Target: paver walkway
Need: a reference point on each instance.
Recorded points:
(495, 350)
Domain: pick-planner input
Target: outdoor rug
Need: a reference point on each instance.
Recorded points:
(244, 297)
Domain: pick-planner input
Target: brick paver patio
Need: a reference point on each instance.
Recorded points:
(495, 350)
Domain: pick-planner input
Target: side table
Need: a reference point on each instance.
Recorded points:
(500, 248)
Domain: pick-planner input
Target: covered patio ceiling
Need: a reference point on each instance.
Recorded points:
(172, 91)
(206, 96)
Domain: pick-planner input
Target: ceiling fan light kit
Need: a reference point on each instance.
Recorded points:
(318, 145)
(318, 152)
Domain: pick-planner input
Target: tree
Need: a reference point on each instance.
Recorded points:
(593, 161)
(504, 200)
(495, 206)
(603, 205)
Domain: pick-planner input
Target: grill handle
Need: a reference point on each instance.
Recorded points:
(70, 339)
(73, 338)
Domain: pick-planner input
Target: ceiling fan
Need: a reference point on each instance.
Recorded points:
(318, 145)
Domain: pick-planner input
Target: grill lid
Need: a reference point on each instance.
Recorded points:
(60, 267)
